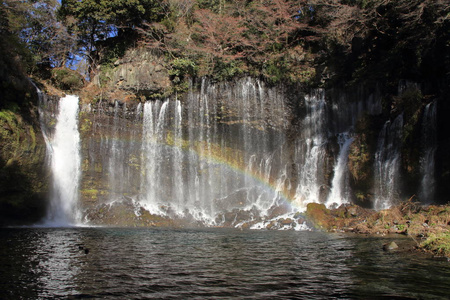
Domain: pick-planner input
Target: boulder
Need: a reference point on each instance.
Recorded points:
(390, 246)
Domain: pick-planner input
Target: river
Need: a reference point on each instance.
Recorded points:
(124, 263)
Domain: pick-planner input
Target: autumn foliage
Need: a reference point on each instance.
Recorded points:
(306, 40)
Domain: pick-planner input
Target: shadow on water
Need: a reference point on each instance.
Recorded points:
(211, 263)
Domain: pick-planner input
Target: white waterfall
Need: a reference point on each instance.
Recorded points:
(427, 161)
(65, 165)
(387, 164)
(223, 157)
(154, 184)
(339, 186)
(310, 150)
(177, 152)
(196, 167)
(236, 153)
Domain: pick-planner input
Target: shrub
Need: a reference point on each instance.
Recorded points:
(226, 70)
(182, 67)
(67, 79)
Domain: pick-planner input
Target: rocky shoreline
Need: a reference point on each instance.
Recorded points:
(428, 226)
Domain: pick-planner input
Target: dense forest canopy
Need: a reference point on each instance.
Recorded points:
(278, 39)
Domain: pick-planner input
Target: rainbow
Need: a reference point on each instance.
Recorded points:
(239, 166)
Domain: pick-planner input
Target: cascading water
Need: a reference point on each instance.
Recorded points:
(234, 154)
(387, 164)
(202, 159)
(223, 157)
(41, 111)
(65, 165)
(340, 187)
(156, 184)
(427, 161)
(310, 150)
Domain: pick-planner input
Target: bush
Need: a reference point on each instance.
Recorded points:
(182, 67)
(67, 79)
(226, 70)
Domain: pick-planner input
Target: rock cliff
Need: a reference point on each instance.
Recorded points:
(139, 73)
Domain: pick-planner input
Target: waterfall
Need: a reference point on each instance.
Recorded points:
(387, 164)
(42, 118)
(340, 187)
(224, 155)
(228, 154)
(156, 184)
(177, 179)
(234, 153)
(65, 165)
(310, 150)
(207, 159)
(117, 165)
(427, 161)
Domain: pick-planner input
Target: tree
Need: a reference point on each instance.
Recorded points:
(35, 24)
(94, 21)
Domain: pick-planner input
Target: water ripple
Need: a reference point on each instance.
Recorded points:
(45, 263)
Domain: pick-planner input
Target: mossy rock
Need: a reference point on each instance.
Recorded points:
(319, 215)
(23, 176)
(90, 194)
(439, 244)
(361, 159)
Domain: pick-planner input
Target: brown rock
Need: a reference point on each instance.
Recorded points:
(391, 246)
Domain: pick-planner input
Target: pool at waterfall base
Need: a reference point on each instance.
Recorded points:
(213, 263)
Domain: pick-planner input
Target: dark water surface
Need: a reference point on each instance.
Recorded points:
(46, 263)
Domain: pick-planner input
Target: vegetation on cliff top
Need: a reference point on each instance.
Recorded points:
(282, 40)
(309, 41)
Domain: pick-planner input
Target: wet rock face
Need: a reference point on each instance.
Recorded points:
(138, 72)
(128, 152)
(23, 174)
(111, 140)
(212, 147)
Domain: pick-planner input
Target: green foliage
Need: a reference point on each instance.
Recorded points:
(276, 70)
(181, 68)
(113, 49)
(410, 101)
(401, 227)
(438, 244)
(216, 6)
(20, 170)
(169, 24)
(67, 79)
(105, 74)
(226, 70)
